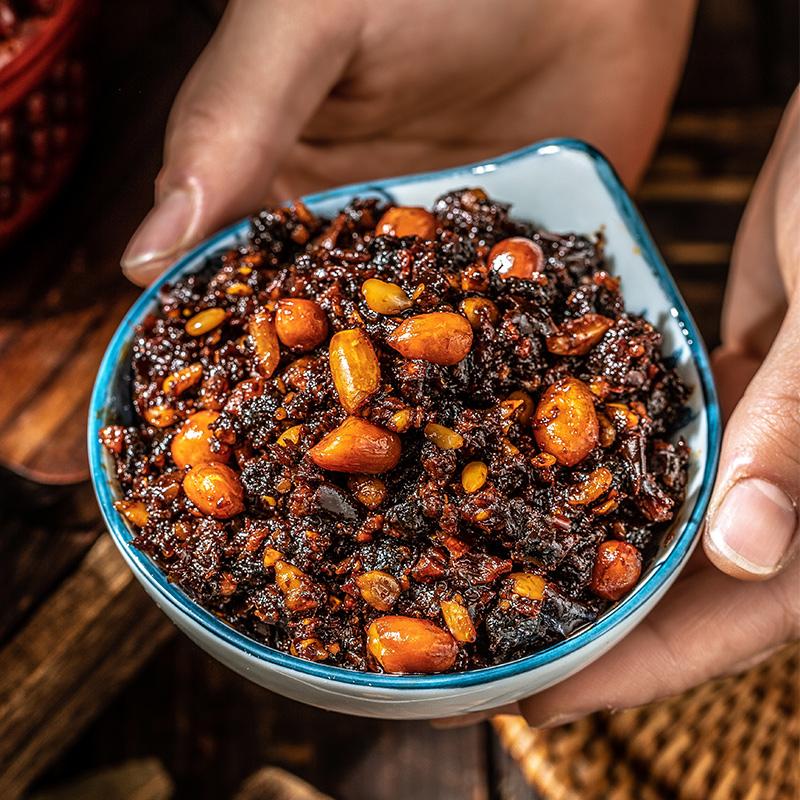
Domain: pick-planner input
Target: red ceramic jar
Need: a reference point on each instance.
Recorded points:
(43, 116)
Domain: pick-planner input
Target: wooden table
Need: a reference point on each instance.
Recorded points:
(90, 671)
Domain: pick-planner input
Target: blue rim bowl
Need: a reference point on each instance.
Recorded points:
(110, 403)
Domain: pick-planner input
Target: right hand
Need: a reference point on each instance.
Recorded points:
(289, 98)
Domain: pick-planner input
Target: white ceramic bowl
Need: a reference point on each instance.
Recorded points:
(562, 185)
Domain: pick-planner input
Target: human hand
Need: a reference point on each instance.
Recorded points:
(296, 97)
(740, 599)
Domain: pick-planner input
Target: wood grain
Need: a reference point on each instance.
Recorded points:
(63, 666)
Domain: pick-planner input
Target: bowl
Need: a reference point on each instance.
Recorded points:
(562, 185)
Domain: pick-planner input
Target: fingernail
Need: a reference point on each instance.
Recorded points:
(164, 231)
(754, 527)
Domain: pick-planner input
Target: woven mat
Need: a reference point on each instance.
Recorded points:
(731, 739)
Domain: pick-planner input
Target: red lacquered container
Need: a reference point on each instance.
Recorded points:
(43, 103)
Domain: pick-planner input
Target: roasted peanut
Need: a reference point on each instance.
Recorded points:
(443, 437)
(576, 337)
(384, 297)
(112, 437)
(477, 310)
(181, 380)
(357, 446)
(379, 589)
(441, 337)
(215, 489)
(311, 648)
(300, 593)
(401, 420)
(205, 321)
(290, 435)
(516, 257)
(616, 569)
(527, 584)
(565, 424)
(160, 416)
(607, 431)
(458, 621)
(403, 221)
(191, 445)
(134, 511)
(265, 342)
(525, 410)
(271, 557)
(370, 492)
(473, 476)
(403, 645)
(621, 417)
(355, 368)
(300, 324)
(591, 489)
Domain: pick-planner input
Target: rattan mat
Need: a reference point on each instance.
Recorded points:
(731, 739)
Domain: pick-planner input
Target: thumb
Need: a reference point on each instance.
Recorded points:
(752, 529)
(240, 109)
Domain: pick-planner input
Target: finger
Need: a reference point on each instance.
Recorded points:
(707, 622)
(243, 104)
(766, 255)
(752, 527)
(752, 523)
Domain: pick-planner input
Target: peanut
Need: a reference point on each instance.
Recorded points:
(290, 435)
(565, 423)
(621, 417)
(299, 591)
(300, 324)
(215, 490)
(458, 621)
(402, 221)
(516, 257)
(525, 410)
(205, 321)
(403, 645)
(384, 297)
(191, 445)
(265, 342)
(355, 368)
(401, 420)
(134, 511)
(181, 380)
(473, 476)
(379, 589)
(370, 492)
(576, 337)
(160, 416)
(357, 446)
(312, 649)
(589, 490)
(616, 569)
(477, 310)
(527, 584)
(444, 438)
(441, 337)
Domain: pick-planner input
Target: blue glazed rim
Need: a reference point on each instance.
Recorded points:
(683, 541)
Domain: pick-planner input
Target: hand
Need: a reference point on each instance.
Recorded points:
(289, 98)
(740, 599)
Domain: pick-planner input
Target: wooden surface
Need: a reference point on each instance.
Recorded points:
(74, 627)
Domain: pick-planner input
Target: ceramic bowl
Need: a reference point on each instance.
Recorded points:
(562, 185)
